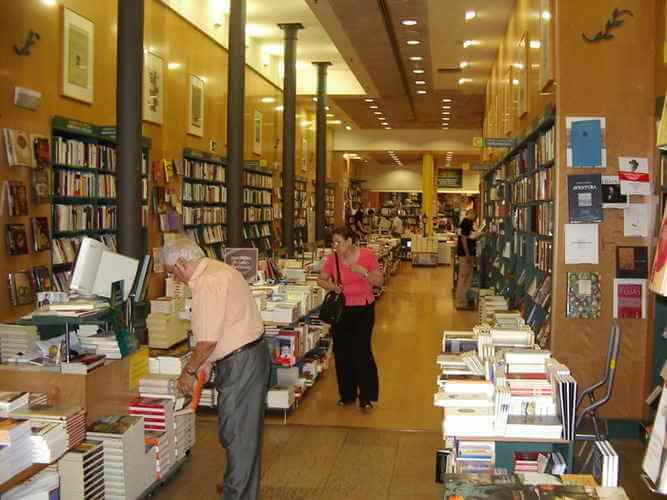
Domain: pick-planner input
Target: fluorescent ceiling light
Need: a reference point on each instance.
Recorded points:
(384, 123)
(421, 92)
(279, 108)
(268, 100)
(546, 15)
(374, 106)
(415, 58)
(470, 43)
(50, 3)
(464, 80)
(327, 108)
(515, 81)
(347, 127)
(174, 65)
(446, 100)
(420, 82)
(535, 44)
(314, 99)
(305, 123)
(377, 112)
(418, 71)
(446, 113)
(330, 115)
(470, 14)
(518, 65)
(334, 122)
(409, 22)
(446, 107)
(464, 64)
(413, 42)
(368, 99)
(387, 128)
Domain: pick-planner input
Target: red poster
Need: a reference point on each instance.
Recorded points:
(629, 301)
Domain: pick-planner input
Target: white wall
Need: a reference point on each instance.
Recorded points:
(409, 178)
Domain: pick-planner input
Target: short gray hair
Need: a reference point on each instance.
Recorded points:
(181, 248)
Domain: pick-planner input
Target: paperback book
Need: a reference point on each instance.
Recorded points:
(583, 295)
(16, 239)
(630, 298)
(18, 148)
(584, 198)
(40, 234)
(21, 291)
(632, 262)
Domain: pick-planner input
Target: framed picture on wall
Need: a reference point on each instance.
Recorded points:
(546, 47)
(257, 133)
(196, 106)
(520, 75)
(77, 56)
(153, 89)
(508, 101)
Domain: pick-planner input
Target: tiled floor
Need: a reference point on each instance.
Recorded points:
(326, 452)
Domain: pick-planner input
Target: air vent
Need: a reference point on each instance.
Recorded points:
(449, 70)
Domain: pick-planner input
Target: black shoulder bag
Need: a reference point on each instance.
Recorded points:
(333, 306)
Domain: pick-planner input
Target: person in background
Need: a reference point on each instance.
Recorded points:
(359, 221)
(229, 332)
(372, 219)
(397, 226)
(465, 250)
(383, 224)
(356, 370)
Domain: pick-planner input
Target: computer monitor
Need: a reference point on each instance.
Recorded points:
(97, 267)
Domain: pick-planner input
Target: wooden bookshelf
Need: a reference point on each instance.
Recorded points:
(258, 206)
(300, 212)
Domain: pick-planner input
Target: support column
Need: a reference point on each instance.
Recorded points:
(130, 49)
(321, 150)
(428, 192)
(235, 106)
(289, 132)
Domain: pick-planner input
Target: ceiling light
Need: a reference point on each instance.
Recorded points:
(464, 64)
(377, 112)
(464, 80)
(470, 14)
(327, 108)
(470, 43)
(315, 99)
(330, 115)
(515, 81)
(446, 107)
(446, 113)
(279, 108)
(418, 71)
(174, 65)
(546, 15)
(347, 127)
(305, 123)
(518, 65)
(445, 128)
(420, 82)
(368, 99)
(446, 100)
(374, 107)
(415, 58)
(413, 42)
(535, 44)
(421, 92)
(268, 99)
(334, 122)
(387, 128)
(384, 124)
(409, 22)
(50, 3)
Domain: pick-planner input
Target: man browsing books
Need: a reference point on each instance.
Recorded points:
(228, 331)
(465, 250)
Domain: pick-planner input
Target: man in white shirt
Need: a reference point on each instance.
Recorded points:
(397, 226)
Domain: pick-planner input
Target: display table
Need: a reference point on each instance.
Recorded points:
(103, 391)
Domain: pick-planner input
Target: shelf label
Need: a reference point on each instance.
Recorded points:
(499, 142)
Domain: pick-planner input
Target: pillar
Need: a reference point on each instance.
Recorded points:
(235, 105)
(321, 150)
(128, 125)
(289, 132)
(428, 191)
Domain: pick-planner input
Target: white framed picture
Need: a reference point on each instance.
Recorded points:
(257, 133)
(304, 154)
(153, 89)
(77, 56)
(196, 106)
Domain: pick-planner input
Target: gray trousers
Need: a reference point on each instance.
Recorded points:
(242, 381)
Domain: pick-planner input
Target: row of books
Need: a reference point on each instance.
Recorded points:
(544, 255)
(76, 184)
(253, 179)
(251, 231)
(84, 218)
(257, 196)
(256, 214)
(535, 187)
(204, 193)
(76, 153)
(203, 170)
(546, 147)
(204, 215)
(208, 235)
(537, 219)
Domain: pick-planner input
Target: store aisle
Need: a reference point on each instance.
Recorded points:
(416, 306)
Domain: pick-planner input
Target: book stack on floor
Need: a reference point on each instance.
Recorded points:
(184, 432)
(16, 340)
(72, 418)
(169, 361)
(49, 442)
(159, 386)
(129, 468)
(15, 447)
(11, 401)
(81, 472)
(605, 464)
(158, 417)
(281, 398)
(488, 305)
(164, 451)
(43, 485)
(102, 344)
(165, 327)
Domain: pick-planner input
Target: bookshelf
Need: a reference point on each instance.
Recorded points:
(204, 195)
(300, 212)
(84, 198)
(517, 254)
(258, 206)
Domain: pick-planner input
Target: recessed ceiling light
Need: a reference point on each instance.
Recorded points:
(470, 14)
(464, 64)
(418, 71)
(377, 112)
(446, 107)
(268, 99)
(470, 43)
(279, 108)
(464, 80)
(384, 124)
(515, 81)
(174, 65)
(413, 42)
(446, 100)
(305, 123)
(409, 22)
(420, 82)
(327, 108)
(421, 92)
(330, 115)
(374, 106)
(347, 127)
(446, 113)
(546, 15)
(387, 128)
(334, 122)
(445, 128)
(415, 58)
(535, 44)
(315, 99)
(368, 99)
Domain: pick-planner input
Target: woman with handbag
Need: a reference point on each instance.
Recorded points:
(352, 272)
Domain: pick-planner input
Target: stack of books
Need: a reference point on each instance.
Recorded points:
(534, 427)
(462, 422)
(102, 344)
(605, 464)
(81, 472)
(184, 432)
(49, 442)
(158, 417)
(129, 469)
(15, 447)
(83, 364)
(209, 397)
(165, 330)
(280, 397)
(37, 399)
(164, 451)
(458, 341)
(43, 485)
(488, 305)
(10, 401)
(169, 361)
(72, 418)
(475, 457)
(17, 340)
(159, 386)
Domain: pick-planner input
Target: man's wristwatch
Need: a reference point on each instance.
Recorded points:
(192, 373)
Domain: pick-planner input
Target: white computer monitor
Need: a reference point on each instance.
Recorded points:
(97, 267)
